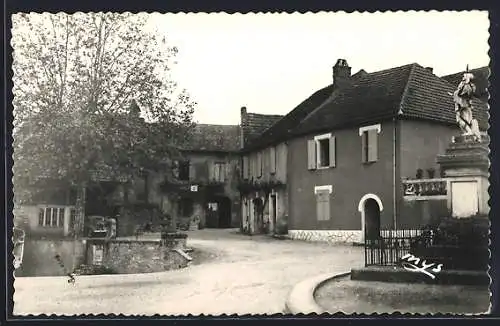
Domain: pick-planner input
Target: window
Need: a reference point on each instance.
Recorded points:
(369, 143)
(272, 160)
(185, 207)
(321, 152)
(219, 173)
(323, 202)
(184, 170)
(51, 216)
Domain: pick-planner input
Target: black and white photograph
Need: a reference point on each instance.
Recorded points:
(181, 164)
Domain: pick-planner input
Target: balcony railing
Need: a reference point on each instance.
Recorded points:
(423, 189)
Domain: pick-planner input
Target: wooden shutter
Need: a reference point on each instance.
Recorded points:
(319, 207)
(246, 167)
(272, 159)
(192, 171)
(333, 156)
(216, 168)
(259, 164)
(323, 205)
(364, 144)
(223, 172)
(210, 166)
(372, 145)
(311, 154)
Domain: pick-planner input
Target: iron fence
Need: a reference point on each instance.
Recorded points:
(389, 246)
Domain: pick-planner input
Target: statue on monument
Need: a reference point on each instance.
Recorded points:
(463, 106)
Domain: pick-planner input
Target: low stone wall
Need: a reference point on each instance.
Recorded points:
(39, 257)
(130, 256)
(330, 236)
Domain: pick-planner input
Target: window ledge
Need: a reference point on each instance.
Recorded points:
(323, 167)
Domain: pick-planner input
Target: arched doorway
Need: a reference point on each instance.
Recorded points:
(372, 219)
(370, 206)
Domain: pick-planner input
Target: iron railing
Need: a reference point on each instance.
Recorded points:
(389, 246)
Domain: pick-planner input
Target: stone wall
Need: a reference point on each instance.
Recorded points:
(39, 257)
(137, 256)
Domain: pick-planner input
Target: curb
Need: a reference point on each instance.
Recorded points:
(301, 298)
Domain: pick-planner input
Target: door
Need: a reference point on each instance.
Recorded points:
(372, 219)
(274, 212)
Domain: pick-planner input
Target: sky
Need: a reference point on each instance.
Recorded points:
(270, 63)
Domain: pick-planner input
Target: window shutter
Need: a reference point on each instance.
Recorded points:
(223, 172)
(323, 205)
(252, 166)
(326, 207)
(216, 168)
(259, 164)
(333, 157)
(246, 167)
(372, 145)
(364, 144)
(319, 207)
(311, 154)
(272, 159)
(210, 170)
(191, 171)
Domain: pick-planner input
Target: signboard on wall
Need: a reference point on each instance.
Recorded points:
(194, 188)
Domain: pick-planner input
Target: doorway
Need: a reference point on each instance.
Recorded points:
(274, 212)
(372, 219)
(219, 213)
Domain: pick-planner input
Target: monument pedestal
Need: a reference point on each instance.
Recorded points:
(460, 241)
(465, 164)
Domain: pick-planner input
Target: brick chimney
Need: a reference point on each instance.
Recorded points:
(243, 125)
(341, 72)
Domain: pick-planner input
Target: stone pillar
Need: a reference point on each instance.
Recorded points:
(465, 164)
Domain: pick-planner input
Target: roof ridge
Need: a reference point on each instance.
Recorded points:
(407, 86)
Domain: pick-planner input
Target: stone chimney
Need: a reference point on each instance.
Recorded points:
(243, 125)
(341, 72)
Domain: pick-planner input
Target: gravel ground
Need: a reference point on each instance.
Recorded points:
(344, 295)
(232, 274)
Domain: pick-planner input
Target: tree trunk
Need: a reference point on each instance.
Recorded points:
(81, 194)
(172, 225)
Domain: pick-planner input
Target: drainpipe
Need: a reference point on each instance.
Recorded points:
(394, 166)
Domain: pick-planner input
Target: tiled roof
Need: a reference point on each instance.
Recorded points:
(282, 129)
(254, 124)
(409, 91)
(214, 138)
(481, 76)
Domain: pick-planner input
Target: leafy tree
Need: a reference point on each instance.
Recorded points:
(79, 81)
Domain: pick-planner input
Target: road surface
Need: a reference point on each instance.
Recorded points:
(245, 275)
